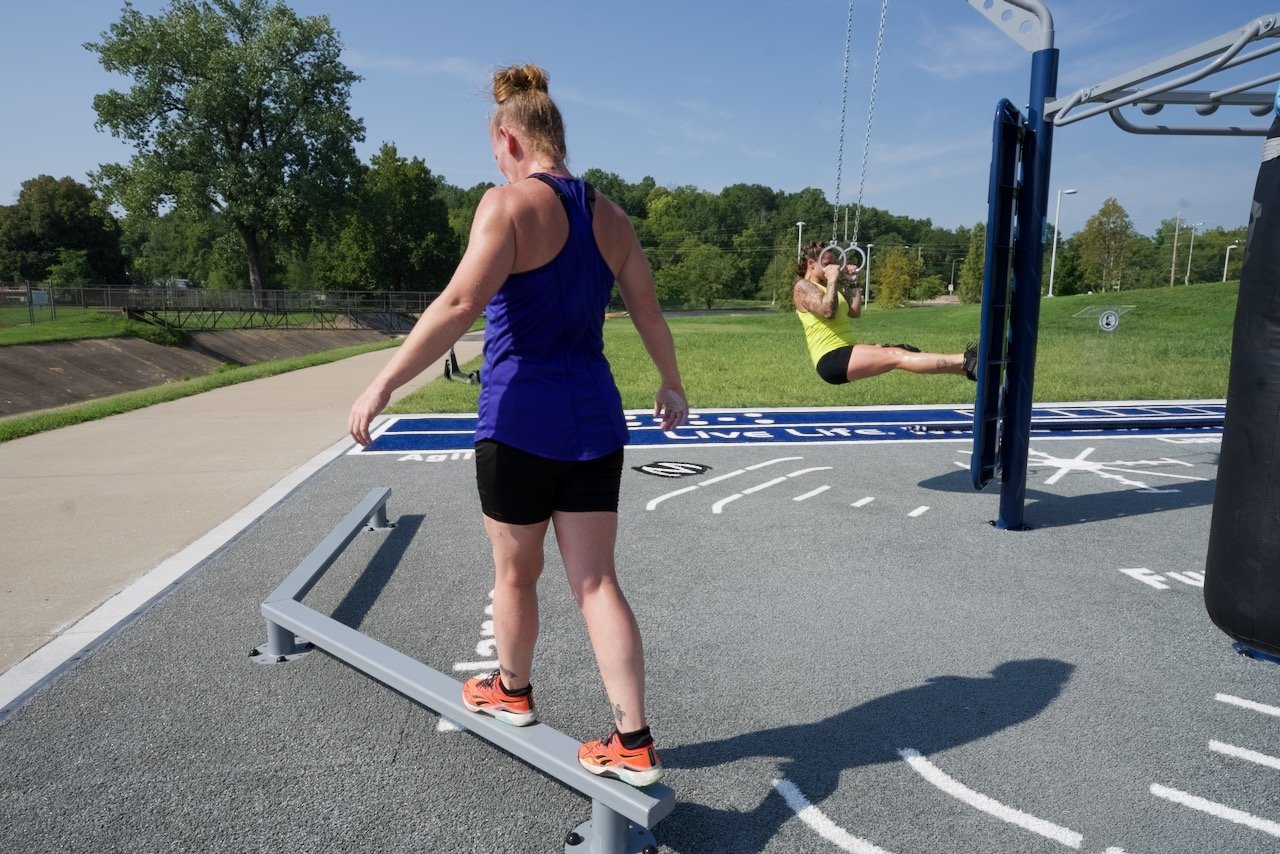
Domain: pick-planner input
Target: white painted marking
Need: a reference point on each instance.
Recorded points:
(818, 821)
(773, 462)
(1188, 578)
(1146, 576)
(759, 486)
(722, 477)
(919, 511)
(1216, 809)
(473, 666)
(1248, 704)
(811, 493)
(799, 472)
(977, 800)
(1245, 754)
(719, 505)
(446, 725)
(661, 498)
(719, 478)
(862, 502)
(1076, 462)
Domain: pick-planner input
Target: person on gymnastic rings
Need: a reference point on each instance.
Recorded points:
(826, 313)
(541, 261)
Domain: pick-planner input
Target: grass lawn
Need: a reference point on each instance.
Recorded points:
(72, 324)
(1174, 343)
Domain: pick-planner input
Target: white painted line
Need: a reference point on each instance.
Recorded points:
(759, 486)
(799, 472)
(1245, 754)
(661, 498)
(818, 821)
(473, 666)
(719, 478)
(811, 493)
(719, 505)
(1146, 576)
(1216, 809)
(1248, 704)
(919, 511)
(446, 725)
(982, 802)
(773, 462)
(1068, 465)
(1188, 578)
(27, 676)
(862, 502)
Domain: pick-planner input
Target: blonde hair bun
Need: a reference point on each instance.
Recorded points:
(517, 79)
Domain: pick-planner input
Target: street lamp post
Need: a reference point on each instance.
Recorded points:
(799, 239)
(1190, 249)
(952, 287)
(1053, 263)
(1228, 260)
(1173, 265)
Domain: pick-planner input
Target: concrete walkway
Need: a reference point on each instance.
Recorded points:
(87, 510)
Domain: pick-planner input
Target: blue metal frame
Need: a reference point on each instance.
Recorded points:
(1024, 309)
(993, 337)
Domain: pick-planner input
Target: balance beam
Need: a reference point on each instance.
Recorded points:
(621, 815)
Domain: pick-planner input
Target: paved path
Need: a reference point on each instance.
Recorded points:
(88, 509)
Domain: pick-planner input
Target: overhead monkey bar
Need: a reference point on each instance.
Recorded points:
(1221, 53)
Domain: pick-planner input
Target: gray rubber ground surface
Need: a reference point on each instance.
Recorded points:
(795, 644)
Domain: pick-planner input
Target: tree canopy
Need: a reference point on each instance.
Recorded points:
(239, 108)
(54, 216)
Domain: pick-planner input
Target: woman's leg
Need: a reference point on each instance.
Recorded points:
(586, 543)
(517, 565)
(868, 360)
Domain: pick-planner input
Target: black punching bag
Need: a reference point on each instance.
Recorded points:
(1242, 571)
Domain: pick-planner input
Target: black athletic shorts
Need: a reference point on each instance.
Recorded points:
(833, 366)
(520, 488)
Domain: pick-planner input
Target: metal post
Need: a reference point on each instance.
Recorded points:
(608, 830)
(799, 239)
(1053, 263)
(1228, 260)
(1190, 250)
(1173, 264)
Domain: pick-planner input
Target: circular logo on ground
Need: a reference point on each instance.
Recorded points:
(1108, 321)
(672, 469)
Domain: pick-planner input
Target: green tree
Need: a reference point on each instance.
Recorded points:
(53, 215)
(695, 273)
(972, 269)
(398, 236)
(237, 107)
(71, 268)
(896, 271)
(1105, 244)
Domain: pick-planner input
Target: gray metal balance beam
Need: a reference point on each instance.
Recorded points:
(621, 815)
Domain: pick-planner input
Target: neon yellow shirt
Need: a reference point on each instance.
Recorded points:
(822, 335)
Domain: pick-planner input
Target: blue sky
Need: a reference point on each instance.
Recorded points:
(710, 94)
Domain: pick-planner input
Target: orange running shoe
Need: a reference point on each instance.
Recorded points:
(608, 757)
(488, 696)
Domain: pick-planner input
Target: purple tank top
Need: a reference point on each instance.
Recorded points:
(547, 386)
